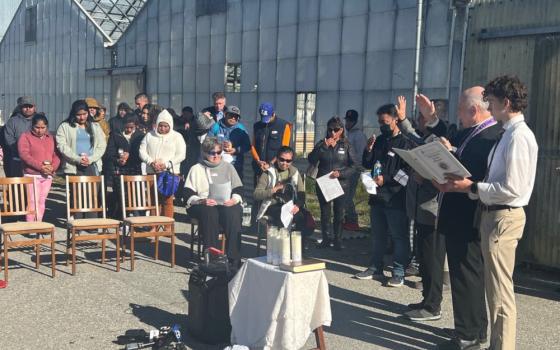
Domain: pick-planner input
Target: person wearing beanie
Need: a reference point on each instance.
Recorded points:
(14, 128)
(234, 138)
(163, 149)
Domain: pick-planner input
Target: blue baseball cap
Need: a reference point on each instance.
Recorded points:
(266, 110)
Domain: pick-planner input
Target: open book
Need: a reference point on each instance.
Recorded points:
(433, 161)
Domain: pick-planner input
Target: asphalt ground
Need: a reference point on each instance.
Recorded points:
(89, 310)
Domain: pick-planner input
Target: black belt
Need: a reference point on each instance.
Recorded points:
(495, 207)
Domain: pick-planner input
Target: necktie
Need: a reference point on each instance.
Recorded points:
(500, 135)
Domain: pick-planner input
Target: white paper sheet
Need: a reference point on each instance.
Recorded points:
(220, 192)
(330, 187)
(433, 161)
(369, 184)
(286, 214)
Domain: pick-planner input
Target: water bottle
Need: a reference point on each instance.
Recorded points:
(377, 167)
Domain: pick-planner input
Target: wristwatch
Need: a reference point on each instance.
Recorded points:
(474, 188)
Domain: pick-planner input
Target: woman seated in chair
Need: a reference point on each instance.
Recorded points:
(213, 197)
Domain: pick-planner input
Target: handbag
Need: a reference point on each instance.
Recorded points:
(167, 182)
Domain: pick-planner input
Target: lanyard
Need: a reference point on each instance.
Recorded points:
(481, 127)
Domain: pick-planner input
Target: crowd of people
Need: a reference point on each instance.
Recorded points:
(475, 222)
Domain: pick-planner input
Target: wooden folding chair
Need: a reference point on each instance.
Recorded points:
(139, 195)
(85, 199)
(16, 202)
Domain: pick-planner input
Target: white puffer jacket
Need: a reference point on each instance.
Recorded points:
(169, 148)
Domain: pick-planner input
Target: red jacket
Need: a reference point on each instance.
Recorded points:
(34, 150)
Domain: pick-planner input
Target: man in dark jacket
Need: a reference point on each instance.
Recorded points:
(422, 207)
(217, 110)
(388, 213)
(15, 126)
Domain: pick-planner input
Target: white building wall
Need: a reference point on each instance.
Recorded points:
(52, 69)
(353, 53)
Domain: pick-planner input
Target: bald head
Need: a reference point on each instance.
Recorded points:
(472, 108)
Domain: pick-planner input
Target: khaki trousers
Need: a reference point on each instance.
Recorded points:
(500, 232)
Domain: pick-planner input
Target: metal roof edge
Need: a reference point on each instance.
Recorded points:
(144, 8)
(21, 2)
(109, 42)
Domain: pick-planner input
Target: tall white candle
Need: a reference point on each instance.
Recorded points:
(285, 237)
(296, 246)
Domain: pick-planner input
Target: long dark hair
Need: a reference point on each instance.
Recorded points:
(72, 120)
(125, 106)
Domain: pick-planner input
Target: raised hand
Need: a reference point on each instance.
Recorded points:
(426, 107)
(401, 107)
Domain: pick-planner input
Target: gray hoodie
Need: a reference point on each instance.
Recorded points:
(358, 141)
(16, 125)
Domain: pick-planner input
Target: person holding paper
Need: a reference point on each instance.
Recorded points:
(277, 186)
(332, 155)
(387, 207)
(471, 146)
(205, 194)
(503, 192)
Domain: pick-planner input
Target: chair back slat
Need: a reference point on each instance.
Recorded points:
(85, 194)
(15, 196)
(138, 192)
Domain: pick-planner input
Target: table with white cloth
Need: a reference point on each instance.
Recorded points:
(274, 309)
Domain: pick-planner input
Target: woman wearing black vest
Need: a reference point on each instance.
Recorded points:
(332, 154)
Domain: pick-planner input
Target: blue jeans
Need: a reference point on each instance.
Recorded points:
(394, 222)
(349, 207)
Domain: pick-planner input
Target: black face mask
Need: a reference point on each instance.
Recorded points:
(386, 130)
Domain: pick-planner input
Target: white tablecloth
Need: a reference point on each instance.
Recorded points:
(274, 309)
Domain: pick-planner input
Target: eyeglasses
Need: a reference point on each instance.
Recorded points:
(334, 129)
(27, 106)
(280, 159)
(232, 116)
(214, 153)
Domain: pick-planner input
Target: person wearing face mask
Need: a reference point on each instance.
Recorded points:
(163, 149)
(234, 138)
(81, 143)
(387, 207)
(37, 151)
(333, 155)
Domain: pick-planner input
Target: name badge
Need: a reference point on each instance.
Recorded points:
(391, 154)
(214, 174)
(401, 178)
(274, 132)
(341, 151)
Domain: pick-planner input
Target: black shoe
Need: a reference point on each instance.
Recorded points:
(396, 282)
(369, 273)
(459, 344)
(412, 270)
(416, 306)
(450, 332)
(422, 315)
(325, 243)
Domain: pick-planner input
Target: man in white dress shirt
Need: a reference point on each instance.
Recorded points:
(503, 193)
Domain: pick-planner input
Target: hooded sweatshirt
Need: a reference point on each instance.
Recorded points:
(169, 148)
(239, 138)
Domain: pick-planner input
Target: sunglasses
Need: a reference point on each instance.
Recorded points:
(334, 129)
(214, 153)
(280, 159)
(232, 116)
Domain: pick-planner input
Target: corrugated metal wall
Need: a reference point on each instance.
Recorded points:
(354, 53)
(535, 59)
(52, 69)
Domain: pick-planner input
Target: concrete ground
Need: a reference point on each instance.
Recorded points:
(89, 310)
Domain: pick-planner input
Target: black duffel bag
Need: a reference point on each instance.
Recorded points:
(208, 303)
